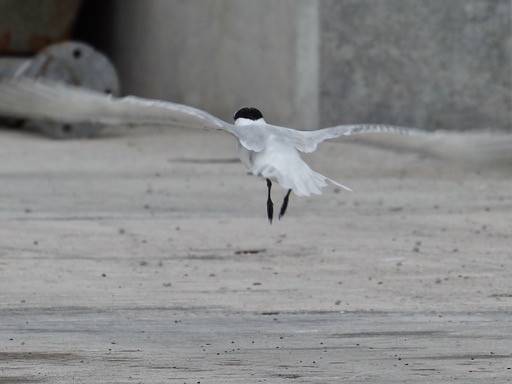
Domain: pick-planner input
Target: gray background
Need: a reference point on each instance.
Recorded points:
(432, 64)
(144, 255)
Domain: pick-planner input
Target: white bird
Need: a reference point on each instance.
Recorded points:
(278, 159)
(268, 151)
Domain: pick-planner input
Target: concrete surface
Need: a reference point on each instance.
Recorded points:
(434, 64)
(145, 256)
(312, 63)
(216, 55)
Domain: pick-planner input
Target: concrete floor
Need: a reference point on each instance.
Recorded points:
(145, 256)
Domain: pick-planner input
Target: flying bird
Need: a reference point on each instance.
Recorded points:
(267, 151)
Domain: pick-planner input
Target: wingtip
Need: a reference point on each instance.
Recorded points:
(340, 185)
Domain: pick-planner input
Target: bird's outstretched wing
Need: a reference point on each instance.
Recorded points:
(307, 141)
(473, 148)
(50, 100)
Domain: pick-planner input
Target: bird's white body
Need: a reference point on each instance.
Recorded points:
(279, 161)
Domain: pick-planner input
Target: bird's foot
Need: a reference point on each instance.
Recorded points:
(270, 210)
(270, 204)
(285, 204)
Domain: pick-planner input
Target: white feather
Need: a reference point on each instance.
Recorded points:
(266, 150)
(279, 161)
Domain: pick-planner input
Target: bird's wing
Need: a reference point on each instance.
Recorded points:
(307, 141)
(474, 148)
(49, 100)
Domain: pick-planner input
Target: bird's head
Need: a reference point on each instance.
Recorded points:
(247, 116)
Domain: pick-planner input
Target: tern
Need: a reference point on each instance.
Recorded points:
(268, 151)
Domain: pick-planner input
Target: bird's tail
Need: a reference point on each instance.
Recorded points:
(300, 178)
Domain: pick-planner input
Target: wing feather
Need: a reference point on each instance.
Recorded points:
(45, 99)
(50, 100)
(469, 147)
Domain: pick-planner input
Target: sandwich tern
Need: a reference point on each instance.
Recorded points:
(268, 151)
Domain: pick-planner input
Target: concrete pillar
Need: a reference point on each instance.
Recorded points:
(431, 64)
(308, 63)
(219, 55)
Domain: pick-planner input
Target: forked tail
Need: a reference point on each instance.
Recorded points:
(301, 179)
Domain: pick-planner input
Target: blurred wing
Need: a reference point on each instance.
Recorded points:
(475, 148)
(49, 100)
(307, 141)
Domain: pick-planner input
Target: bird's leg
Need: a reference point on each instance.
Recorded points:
(285, 204)
(270, 204)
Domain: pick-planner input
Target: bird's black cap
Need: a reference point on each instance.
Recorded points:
(248, 113)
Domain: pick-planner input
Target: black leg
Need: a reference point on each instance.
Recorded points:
(270, 204)
(285, 204)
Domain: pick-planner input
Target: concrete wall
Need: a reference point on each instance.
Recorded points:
(432, 64)
(216, 55)
(305, 63)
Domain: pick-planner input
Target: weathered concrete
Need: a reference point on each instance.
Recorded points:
(139, 345)
(431, 64)
(310, 63)
(145, 256)
(216, 55)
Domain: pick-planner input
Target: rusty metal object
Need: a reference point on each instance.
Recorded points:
(72, 63)
(26, 27)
